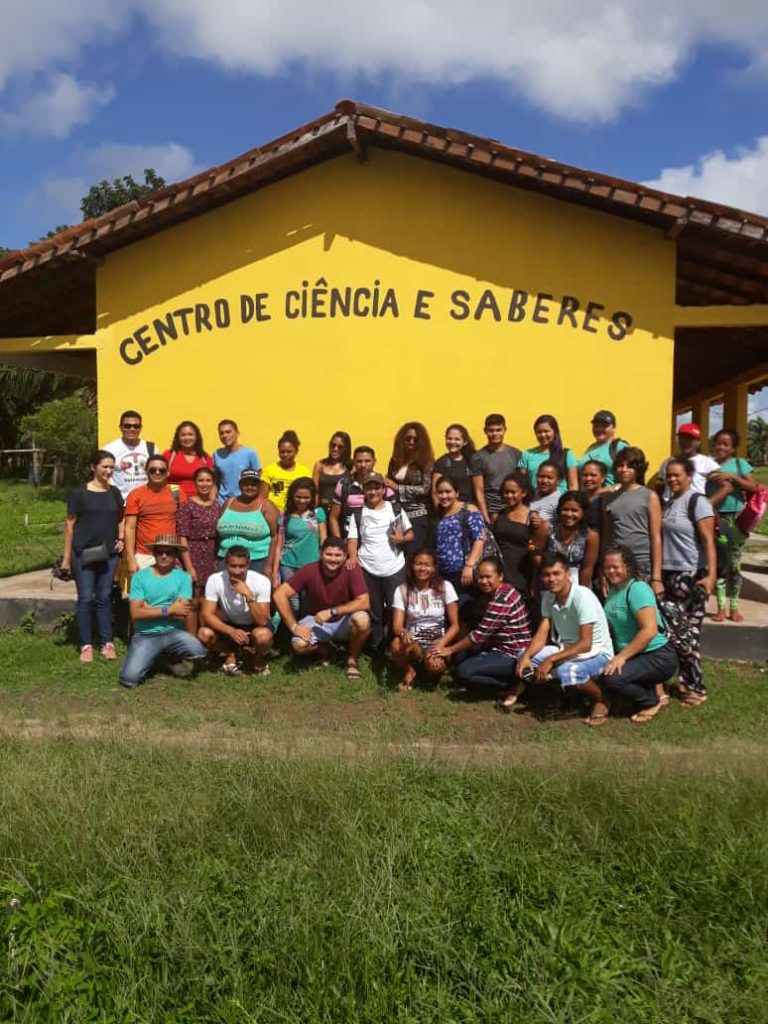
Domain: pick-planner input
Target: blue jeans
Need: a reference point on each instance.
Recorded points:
(488, 670)
(146, 648)
(94, 590)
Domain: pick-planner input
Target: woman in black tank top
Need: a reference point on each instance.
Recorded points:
(327, 472)
(520, 534)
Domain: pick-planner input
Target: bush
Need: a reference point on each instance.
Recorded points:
(66, 429)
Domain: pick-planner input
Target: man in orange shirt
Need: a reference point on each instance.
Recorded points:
(149, 511)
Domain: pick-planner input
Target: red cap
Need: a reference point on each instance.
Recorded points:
(692, 429)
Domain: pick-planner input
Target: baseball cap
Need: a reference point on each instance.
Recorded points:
(250, 474)
(604, 416)
(374, 478)
(692, 429)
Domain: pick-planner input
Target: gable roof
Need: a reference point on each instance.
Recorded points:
(50, 287)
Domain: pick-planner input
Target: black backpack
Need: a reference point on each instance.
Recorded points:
(722, 548)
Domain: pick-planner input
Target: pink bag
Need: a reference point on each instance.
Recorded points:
(753, 511)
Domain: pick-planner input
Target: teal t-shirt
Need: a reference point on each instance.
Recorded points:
(739, 466)
(157, 591)
(532, 459)
(602, 453)
(621, 606)
(301, 539)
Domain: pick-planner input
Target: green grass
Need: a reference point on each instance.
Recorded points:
(160, 887)
(301, 849)
(34, 546)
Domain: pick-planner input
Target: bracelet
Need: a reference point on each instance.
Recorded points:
(470, 565)
(164, 611)
(656, 579)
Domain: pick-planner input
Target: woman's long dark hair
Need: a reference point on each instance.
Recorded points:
(346, 455)
(198, 447)
(436, 582)
(422, 457)
(556, 448)
(302, 483)
(468, 448)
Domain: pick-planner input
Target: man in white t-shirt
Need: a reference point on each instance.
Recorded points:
(235, 614)
(377, 533)
(688, 443)
(131, 454)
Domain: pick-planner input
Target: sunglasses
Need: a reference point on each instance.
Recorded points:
(157, 471)
(171, 552)
(131, 426)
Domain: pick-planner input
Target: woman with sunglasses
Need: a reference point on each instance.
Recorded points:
(410, 474)
(327, 472)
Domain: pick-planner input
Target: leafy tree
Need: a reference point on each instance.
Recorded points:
(757, 441)
(4, 251)
(66, 429)
(107, 195)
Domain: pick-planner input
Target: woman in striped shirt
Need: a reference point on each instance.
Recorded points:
(499, 638)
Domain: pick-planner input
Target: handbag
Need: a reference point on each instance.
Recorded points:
(490, 548)
(755, 506)
(94, 555)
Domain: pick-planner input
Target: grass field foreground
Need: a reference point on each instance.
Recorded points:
(301, 850)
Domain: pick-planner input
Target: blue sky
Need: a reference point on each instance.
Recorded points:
(643, 89)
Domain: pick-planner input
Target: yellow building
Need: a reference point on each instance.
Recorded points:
(368, 269)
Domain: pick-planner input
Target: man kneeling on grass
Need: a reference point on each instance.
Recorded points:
(582, 642)
(337, 602)
(161, 608)
(235, 614)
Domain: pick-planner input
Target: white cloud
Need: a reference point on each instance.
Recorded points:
(58, 108)
(583, 61)
(739, 180)
(61, 196)
(580, 62)
(39, 34)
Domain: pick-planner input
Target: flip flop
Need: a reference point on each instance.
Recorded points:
(599, 719)
(692, 700)
(507, 702)
(646, 715)
(353, 671)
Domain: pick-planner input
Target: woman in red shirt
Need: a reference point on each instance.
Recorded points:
(185, 456)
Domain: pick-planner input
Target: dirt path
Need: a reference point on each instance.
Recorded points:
(222, 740)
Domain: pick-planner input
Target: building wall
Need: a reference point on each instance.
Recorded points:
(437, 263)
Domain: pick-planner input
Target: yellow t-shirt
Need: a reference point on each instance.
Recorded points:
(280, 480)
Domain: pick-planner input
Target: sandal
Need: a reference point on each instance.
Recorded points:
(597, 719)
(692, 700)
(353, 671)
(506, 702)
(646, 715)
(230, 668)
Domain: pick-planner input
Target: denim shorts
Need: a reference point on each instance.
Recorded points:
(335, 631)
(574, 672)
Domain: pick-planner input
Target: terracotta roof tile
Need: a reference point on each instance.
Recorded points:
(357, 125)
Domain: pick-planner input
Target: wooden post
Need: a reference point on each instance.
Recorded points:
(735, 402)
(701, 416)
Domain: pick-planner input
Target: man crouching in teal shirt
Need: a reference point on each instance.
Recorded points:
(161, 600)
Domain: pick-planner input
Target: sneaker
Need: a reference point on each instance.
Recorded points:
(261, 670)
(86, 654)
(108, 651)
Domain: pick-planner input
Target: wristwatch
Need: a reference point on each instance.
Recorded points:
(164, 611)
(334, 612)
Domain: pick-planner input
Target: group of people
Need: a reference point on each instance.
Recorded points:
(511, 566)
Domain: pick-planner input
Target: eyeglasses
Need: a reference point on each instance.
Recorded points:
(411, 437)
(157, 470)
